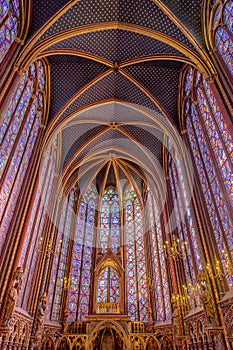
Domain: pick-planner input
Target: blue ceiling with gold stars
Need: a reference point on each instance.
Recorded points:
(127, 51)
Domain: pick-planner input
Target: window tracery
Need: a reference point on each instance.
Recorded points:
(108, 286)
(10, 23)
(81, 270)
(159, 271)
(222, 31)
(19, 132)
(211, 144)
(110, 235)
(187, 230)
(138, 302)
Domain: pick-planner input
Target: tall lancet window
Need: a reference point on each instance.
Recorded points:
(138, 302)
(222, 31)
(18, 138)
(110, 235)
(162, 306)
(60, 272)
(108, 286)
(38, 217)
(187, 229)
(81, 270)
(10, 23)
(212, 148)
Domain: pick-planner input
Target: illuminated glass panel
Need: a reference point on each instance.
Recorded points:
(110, 221)
(223, 32)
(219, 120)
(60, 267)
(212, 147)
(218, 148)
(212, 201)
(187, 236)
(161, 289)
(34, 233)
(103, 286)
(10, 21)
(81, 271)
(136, 264)
(87, 258)
(108, 286)
(20, 128)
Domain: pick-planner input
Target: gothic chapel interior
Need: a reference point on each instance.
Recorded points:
(116, 175)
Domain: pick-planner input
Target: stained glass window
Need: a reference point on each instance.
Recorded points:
(110, 221)
(60, 272)
(187, 230)
(19, 130)
(10, 23)
(222, 27)
(108, 286)
(34, 232)
(159, 273)
(211, 144)
(81, 271)
(136, 261)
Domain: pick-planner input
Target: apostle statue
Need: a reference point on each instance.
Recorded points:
(207, 299)
(175, 319)
(13, 295)
(41, 312)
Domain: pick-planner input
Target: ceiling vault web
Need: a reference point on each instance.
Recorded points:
(114, 77)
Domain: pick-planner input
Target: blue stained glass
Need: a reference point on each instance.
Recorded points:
(136, 261)
(228, 15)
(110, 235)
(225, 46)
(9, 17)
(79, 292)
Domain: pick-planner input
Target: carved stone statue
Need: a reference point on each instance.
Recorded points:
(176, 319)
(207, 300)
(41, 313)
(13, 295)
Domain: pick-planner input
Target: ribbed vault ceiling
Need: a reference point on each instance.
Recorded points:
(125, 52)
